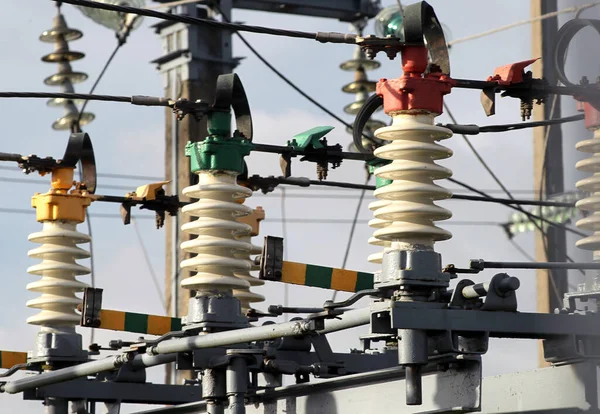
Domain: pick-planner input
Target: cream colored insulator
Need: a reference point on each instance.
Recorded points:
(590, 185)
(216, 246)
(59, 269)
(411, 211)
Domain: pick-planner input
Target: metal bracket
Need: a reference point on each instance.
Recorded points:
(151, 197)
(271, 260)
(91, 306)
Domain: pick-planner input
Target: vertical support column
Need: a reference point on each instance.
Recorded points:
(237, 385)
(548, 165)
(193, 58)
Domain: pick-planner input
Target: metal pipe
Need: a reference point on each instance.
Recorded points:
(237, 385)
(347, 320)
(83, 370)
(56, 406)
(482, 264)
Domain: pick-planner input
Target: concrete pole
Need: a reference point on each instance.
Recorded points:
(193, 58)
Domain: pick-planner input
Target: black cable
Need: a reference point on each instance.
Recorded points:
(283, 77)
(102, 72)
(105, 175)
(352, 229)
(64, 95)
(476, 129)
(324, 37)
(35, 181)
(528, 214)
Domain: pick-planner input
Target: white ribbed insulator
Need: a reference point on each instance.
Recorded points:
(376, 223)
(245, 296)
(58, 269)
(216, 228)
(590, 185)
(413, 152)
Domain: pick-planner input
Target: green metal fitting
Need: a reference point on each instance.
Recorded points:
(219, 151)
(308, 138)
(373, 165)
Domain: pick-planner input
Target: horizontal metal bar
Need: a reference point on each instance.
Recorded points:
(497, 324)
(457, 389)
(84, 370)
(348, 319)
(125, 392)
(137, 322)
(482, 264)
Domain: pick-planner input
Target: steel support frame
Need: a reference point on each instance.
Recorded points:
(124, 392)
(558, 389)
(344, 10)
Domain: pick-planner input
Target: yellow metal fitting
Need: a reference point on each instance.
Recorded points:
(253, 219)
(147, 191)
(59, 203)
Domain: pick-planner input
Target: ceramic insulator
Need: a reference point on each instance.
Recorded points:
(590, 185)
(58, 269)
(245, 296)
(217, 247)
(407, 220)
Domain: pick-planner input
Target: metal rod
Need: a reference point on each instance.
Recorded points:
(278, 149)
(83, 370)
(349, 319)
(482, 264)
(414, 390)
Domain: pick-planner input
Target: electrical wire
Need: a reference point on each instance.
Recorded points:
(34, 181)
(283, 77)
(102, 72)
(324, 37)
(577, 9)
(159, 292)
(286, 290)
(352, 229)
(521, 250)
(476, 129)
(531, 216)
(64, 95)
(101, 175)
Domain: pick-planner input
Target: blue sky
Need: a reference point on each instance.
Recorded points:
(130, 140)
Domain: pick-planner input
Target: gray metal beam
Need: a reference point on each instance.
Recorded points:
(457, 389)
(344, 10)
(138, 393)
(498, 324)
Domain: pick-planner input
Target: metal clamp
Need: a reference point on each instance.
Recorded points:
(91, 307)
(271, 259)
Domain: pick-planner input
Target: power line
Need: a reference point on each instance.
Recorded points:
(140, 240)
(352, 229)
(105, 175)
(285, 78)
(323, 37)
(65, 95)
(577, 9)
(35, 181)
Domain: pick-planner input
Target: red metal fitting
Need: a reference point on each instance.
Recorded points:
(511, 73)
(414, 92)
(592, 116)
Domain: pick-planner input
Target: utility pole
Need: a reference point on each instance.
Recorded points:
(194, 57)
(547, 163)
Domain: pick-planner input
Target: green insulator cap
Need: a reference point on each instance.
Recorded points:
(216, 153)
(373, 165)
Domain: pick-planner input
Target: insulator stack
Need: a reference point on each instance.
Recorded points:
(59, 269)
(591, 185)
(377, 223)
(411, 195)
(246, 296)
(216, 247)
(60, 34)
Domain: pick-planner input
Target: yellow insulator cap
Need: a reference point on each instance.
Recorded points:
(58, 203)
